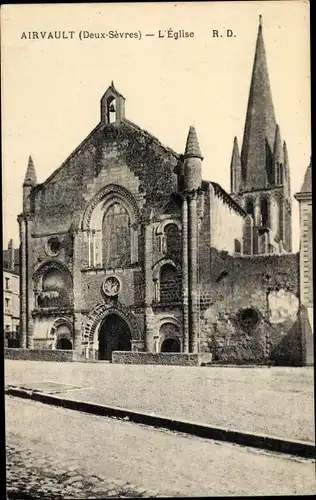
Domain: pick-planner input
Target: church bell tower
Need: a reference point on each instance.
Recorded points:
(260, 175)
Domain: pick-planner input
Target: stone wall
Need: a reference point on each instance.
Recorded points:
(41, 355)
(138, 161)
(249, 310)
(147, 358)
(91, 286)
(226, 222)
(306, 242)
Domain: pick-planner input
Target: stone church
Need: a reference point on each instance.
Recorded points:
(126, 248)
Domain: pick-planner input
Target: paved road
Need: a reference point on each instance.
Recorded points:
(97, 456)
(277, 401)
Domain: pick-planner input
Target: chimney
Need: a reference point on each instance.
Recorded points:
(11, 262)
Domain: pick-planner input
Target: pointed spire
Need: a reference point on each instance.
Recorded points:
(235, 168)
(277, 150)
(192, 148)
(30, 176)
(259, 132)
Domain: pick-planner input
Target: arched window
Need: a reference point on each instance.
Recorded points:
(281, 174)
(172, 240)
(250, 209)
(116, 237)
(170, 286)
(237, 246)
(264, 212)
(56, 289)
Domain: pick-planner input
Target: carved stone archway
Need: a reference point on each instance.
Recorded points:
(57, 336)
(101, 311)
(111, 191)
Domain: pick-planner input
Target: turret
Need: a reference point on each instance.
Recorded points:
(192, 162)
(30, 181)
(235, 169)
(278, 158)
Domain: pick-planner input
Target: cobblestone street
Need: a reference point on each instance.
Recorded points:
(55, 453)
(31, 475)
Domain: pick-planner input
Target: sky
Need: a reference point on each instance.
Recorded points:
(51, 88)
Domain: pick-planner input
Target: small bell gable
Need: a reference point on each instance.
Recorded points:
(112, 106)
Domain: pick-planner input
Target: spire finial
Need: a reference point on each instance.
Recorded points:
(112, 83)
(192, 148)
(30, 176)
(260, 20)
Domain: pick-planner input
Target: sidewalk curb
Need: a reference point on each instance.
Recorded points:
(299, 448)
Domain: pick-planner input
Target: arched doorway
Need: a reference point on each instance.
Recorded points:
(114, 335)
(171, 345)
(61, 330)
(64, 343)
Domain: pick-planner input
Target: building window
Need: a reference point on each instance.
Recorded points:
(281, 174)
(7, 302)
(170, 288)
(7, 332)
(250, 209)
(116, 236)
(237, 246)
(172, 240)
(7, 283)
(248, 318)
(53, 246)
(264, 212)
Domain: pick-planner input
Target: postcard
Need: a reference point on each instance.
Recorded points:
(157, 249)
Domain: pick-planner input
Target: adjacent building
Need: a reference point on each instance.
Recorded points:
(11, 296)
(304, 197)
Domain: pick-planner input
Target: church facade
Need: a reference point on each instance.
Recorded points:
(126, 248)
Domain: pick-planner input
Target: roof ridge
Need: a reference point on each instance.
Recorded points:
(149, 135)
(99, 125)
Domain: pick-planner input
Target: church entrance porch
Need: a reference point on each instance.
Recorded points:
(114, 335)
